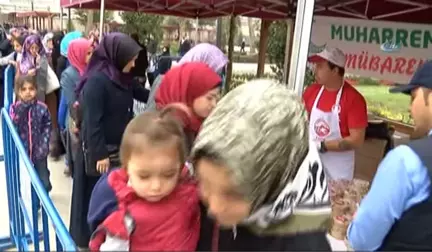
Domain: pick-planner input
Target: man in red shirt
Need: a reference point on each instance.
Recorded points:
(337, 112)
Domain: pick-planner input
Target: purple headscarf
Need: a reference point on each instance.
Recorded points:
(110, 57)
(28, 61)
(206, 53)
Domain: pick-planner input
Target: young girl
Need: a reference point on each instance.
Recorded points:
(151, 204)
(33, 123)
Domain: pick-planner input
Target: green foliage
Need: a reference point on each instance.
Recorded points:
(276, 51)
(145, 25)
(239, 79)
(82, 16)
(276, 47)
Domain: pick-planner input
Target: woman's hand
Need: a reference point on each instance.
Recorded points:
(103, 165)
(13, 63)
(32, 72)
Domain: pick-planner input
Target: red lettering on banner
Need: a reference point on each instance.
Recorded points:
(400, 63)
(387, 65)
(374, 63)
(411, 63)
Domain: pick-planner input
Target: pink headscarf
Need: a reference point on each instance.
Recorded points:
(77, 53)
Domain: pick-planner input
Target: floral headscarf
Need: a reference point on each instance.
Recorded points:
(28, 61)
(49, 36)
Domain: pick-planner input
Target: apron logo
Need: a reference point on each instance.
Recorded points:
(322, 129)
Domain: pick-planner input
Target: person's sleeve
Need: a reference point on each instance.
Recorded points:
(5, 60)
(357, 113)
(93, 113)
(389, 196)
(151, 103)
(103, 202)
(68, 88)
(140, 93)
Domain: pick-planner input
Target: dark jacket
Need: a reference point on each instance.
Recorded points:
(413, 232)
(242, 239)
(33, 123)
(141, 63)
(107, 108)
(61, 65)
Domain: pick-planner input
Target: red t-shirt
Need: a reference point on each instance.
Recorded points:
(353, 114)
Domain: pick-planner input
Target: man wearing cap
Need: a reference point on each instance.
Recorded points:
(338, 114)
(396, 214)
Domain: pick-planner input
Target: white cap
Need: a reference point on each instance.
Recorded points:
(333, 55)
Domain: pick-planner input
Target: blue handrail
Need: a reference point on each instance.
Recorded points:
(19, 218)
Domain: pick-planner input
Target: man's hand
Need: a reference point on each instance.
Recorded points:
(103, 165)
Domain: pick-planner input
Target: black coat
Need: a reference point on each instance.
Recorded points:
(245, 240)
(106, 109)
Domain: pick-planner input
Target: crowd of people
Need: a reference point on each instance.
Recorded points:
(192, 171)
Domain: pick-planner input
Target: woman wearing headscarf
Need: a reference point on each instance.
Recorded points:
(79, 53)
(205, 53)
(192, 84)
(34, 62)
(58, 36)
(62, 60)
(48, 46)
(259, 175)
(58, 140)
(106, 93)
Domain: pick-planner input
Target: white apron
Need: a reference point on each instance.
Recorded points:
(325, 126)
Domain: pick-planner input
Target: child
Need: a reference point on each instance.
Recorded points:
(33, 123)
(151, 204)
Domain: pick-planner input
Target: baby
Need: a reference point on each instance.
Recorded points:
(151, 204)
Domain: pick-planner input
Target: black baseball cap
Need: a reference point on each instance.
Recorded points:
(421, 78)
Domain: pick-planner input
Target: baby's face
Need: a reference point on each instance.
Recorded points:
(154, 173)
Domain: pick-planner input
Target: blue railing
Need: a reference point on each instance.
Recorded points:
(24, 227)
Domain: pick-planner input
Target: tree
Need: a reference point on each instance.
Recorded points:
(276, 51)
(82, 15)
(276, 47)
(143, 24)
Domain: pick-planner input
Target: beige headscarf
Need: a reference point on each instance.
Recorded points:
(259, 131)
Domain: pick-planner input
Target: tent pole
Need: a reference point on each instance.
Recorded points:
(301, 41)
(288, 47)
(101, 20)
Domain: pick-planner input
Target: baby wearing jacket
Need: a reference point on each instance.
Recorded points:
(151, 204)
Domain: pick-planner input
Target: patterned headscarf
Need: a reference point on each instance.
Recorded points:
(207, 53)
(66, 41)
(260, 130)
(49, 36)
(28, 61)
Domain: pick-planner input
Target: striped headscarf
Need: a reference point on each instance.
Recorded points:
(259, 131)
(207, 53)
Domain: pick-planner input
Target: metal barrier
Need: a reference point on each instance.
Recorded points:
(24, 225)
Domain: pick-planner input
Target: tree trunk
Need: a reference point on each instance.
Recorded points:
(252, 37)
(89, 25)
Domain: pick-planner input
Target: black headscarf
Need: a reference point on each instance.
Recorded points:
(110, 57)
(58, 36)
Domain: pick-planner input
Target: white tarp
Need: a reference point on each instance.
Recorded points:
(384, 50)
